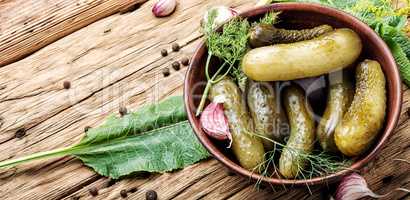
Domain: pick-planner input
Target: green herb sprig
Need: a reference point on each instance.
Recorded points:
(229, 46)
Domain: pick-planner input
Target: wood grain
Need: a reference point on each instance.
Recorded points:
(116, 62)
(29, 25)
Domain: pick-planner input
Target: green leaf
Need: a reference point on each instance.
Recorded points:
(401, 59)
(160, 150)
(149, 117)
(156, 138)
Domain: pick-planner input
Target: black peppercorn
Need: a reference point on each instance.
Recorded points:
(20, 133)
(151, 195)
(122, 111)
(408, 112)
(66, 85)
(176, 65)
(185, 61)
(123, 193)
(175, 47)
(166, 72)
(93, 191)
(164, 52)
(86, 128)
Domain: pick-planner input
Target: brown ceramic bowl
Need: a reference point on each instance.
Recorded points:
(301, 15)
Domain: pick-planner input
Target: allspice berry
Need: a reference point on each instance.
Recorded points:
(166, 72)
(164, 52)
(123, 193)
(66, 85)
(176, 65)
(93, 191)
(175, 47)
(185, 61)
(151, 195)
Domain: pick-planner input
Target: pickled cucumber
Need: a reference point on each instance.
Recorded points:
(330, 52)
(266, 112)
(302, 135)
(247, 149)
(338, 101)
(365, 116)
(264, 34)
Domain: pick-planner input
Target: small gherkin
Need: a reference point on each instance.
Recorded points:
(264, 34)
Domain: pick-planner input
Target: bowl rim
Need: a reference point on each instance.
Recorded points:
(391, 117)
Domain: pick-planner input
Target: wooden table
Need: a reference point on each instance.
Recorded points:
(110, 52)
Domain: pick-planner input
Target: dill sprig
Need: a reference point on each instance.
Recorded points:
(318, 163)
(229, 46)
(269, 18)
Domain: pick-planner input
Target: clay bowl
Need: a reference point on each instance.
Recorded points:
(301, 15)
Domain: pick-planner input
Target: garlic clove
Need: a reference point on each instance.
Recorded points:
(223, 14)
(164, 8)
(215, 123)
(354, 186)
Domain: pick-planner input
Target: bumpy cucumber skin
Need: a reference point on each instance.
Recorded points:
(248, 149)
(365, 116)
(330, 52)
(266, 112)
(339, 99)
(264, 34)
(302, 135)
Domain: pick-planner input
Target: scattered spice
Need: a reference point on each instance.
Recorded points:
(86, 128)
(164, 52)
(75, 198)
(151, 195)
(93, 191)
(122, 111)
(133, 189)
(175, 47)
(166, 72)
(123, 193)
(66, 85)
(176, 65)
(20, 133)
(408, 112)
(185, 61)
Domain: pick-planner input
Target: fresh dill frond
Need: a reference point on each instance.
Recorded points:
(269, 18)
(318, 163)
(229, 46)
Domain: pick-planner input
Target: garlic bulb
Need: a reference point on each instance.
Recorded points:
(164, 8)
(223, 14)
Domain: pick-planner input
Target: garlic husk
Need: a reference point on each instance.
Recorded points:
(164, 8)
(215, 123)
(354, 186)
(223, 14)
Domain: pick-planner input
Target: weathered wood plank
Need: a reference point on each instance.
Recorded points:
(27, 26)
